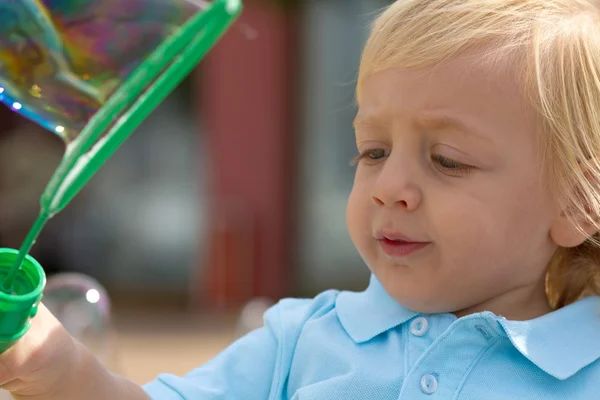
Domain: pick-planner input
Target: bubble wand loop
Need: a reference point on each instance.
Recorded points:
(138, 96)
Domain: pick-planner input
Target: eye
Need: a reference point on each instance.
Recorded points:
(371, 156)
(451, 167)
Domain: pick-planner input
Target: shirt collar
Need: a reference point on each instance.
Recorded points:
(560, 343)
(365, 315)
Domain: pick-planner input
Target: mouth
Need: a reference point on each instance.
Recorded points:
(398, 245)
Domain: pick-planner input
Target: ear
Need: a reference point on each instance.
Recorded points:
(573, 225)
(569, 231)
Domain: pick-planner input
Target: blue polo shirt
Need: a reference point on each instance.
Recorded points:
(347, 345)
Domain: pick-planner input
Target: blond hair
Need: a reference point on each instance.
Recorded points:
(556, 46)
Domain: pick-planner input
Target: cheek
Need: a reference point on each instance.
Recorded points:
(458, 226)
(358, 214)
(491, 226)
(525, 211)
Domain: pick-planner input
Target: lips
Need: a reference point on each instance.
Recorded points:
(396, 244)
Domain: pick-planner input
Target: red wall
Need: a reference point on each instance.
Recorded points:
(247, 90)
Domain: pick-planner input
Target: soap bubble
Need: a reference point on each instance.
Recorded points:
(83, 307)
(61, 60)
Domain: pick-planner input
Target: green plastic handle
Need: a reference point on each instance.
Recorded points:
(143, 91)
(211, 24)
(135, 100)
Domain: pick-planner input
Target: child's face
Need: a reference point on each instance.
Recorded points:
(452, 162)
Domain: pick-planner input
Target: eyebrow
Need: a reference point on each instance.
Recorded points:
(367, 122)
(427, 121)
(447, 121)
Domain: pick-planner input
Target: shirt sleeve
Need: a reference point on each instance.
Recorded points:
(253, 367)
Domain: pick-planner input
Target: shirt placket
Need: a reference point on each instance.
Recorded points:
(443, 365)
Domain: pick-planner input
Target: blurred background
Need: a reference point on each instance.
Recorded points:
(229, 197)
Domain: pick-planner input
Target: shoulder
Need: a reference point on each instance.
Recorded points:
(292, 313)
(259, 362)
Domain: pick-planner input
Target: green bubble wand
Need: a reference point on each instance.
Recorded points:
(132, 102)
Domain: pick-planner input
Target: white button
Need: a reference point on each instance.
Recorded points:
(419, 326)
(429, 384)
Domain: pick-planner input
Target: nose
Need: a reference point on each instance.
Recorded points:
(396, 186)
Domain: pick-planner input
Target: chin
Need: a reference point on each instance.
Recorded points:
(418, 301)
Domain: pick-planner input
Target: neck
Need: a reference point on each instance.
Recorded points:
(519, 304)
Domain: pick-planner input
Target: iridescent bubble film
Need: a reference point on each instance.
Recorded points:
(60, 60)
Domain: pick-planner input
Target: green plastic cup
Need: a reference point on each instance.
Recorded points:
(17, 309)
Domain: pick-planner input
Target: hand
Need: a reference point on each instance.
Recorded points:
(48, 364)
(39, 364)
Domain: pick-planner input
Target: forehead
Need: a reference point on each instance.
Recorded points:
(477, 93)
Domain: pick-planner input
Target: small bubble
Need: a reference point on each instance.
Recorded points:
(249, 32)
(83, 307)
